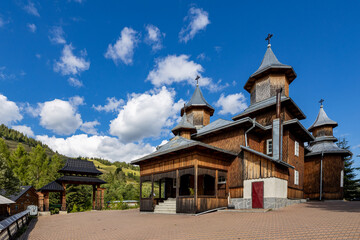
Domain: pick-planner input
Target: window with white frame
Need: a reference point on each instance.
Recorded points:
(296, 177)
(296, 148)
(342, 178)
(269, 146)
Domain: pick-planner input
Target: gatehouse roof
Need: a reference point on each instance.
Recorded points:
(79, 166)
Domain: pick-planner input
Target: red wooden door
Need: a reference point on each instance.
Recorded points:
(257, 194)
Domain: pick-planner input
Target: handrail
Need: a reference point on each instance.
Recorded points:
(8, 222)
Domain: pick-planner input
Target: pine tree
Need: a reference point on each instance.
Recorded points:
(19, 162)
(8, 181)
(351, 185)
(38, 167)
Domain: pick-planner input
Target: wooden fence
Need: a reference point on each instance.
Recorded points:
(11, 225)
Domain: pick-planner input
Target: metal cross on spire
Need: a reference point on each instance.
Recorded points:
(197, 80)
(321, 102)
(269, 36)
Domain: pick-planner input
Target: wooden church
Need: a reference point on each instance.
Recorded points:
(263, 158)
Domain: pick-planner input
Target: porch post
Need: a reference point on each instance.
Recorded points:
(102, 198)
(152, 189)
(41, 201)
(177, 183)
(63, 198)
(160, 188)
(98, 197)
(93, 197)
(216, 182)
(46, 201)
(8, 209)
(140, 197)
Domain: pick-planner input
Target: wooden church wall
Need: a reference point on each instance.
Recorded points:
(178, 161)
(332, 166)
(295, 191)
(228, 139)
(258, 167)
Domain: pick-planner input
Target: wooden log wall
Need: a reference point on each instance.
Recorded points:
(207, 203)
(332, 166)
(230, 139)
(185, 205)
(258, 167)
(237, 192)
(147, 205)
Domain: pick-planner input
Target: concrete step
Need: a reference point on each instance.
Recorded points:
(165, 211)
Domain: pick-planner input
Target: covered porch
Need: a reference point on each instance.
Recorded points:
(196, 189)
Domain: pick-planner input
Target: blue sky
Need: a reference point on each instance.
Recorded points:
(63, 62)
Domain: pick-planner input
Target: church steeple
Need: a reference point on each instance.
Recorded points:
(270, 76)
(323, 125)
(198, 110)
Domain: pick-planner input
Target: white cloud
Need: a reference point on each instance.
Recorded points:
(9, 111)
(89, 127)
(97, 146)
(4, 75)
(232, 103)
(154, 37)
(146, 115)
(175, 69)
(57, 35)
(31, 27)
(71, 64)
(61, 116)
(31, 9)
(76, 101)
(198, 20)
(75, 82)
(201, 56)
(38, 56)
(123, 49)
(113, 105)
(24, 129)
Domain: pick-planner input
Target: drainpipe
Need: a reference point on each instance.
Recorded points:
(246, 142)
(321, 172)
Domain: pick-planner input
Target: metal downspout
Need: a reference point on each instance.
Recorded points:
(321, 173)
(246, 142)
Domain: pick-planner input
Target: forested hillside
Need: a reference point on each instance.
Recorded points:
(26, 161)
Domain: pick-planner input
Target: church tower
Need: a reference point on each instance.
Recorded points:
(324, 162)
(198, 110)
(270, 76)
(184, 128)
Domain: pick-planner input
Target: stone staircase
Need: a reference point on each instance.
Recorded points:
(166, 207)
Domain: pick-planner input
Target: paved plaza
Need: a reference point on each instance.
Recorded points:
(312, 220)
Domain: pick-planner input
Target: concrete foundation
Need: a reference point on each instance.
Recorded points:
(269, 203)
(46, 213)
(63, 212)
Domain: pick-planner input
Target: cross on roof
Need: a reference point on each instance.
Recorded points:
(268, 37)
(321, 101)
(197, 79)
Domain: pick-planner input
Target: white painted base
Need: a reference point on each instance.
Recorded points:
(63, 212)
(273, 187)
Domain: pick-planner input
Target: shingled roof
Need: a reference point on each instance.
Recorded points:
(328, 147)
(322, 120)
(80, 180)
(197, 100)
(270, 63)
(183, 125)
(179, 143)
(15, 197)
(52, 187)
(80, 166)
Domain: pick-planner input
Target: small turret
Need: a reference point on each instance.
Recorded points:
(198, 110)
(184, 128)
(270, 76)
(323, 125)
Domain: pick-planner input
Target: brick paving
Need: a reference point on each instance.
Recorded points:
(312, 220)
